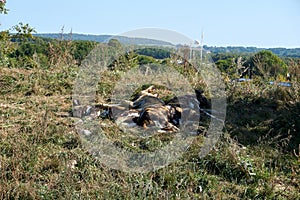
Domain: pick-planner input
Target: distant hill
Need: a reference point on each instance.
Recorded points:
(103, 38)
(283, 52)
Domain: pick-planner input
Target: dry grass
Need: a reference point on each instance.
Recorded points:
(42, 157)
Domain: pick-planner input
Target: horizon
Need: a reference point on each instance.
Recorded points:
(261, 24)
(87, 34)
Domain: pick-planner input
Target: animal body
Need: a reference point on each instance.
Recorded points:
(147, 110)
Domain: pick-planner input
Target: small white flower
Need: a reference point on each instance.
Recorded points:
(200, 188)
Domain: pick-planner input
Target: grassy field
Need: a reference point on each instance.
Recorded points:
(42, 156)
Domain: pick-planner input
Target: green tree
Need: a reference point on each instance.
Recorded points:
(80, 49)
(114, 43)
(23, 31)
(3, 10)
(5, 45)
(268, 65)
(226, 66)
(9, 42)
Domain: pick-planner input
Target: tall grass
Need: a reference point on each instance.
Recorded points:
(42, 157)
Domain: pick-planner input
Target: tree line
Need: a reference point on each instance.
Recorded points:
(19, 47)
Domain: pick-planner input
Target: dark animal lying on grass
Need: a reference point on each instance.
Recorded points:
(147, 110)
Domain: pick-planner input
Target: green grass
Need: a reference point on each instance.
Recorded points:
(42, 155)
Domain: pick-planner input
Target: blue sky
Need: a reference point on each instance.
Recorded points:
(260, 23)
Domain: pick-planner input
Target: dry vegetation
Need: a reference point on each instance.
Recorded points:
(42, 156)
